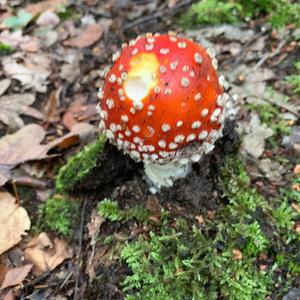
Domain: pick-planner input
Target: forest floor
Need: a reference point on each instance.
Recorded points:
(77, 220)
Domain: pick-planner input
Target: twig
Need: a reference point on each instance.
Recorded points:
(245, 47)
(288, 107)
(271, 54)
(66, 280)
(14, 186)
(158, 14)
(30, 181)
(79, 250)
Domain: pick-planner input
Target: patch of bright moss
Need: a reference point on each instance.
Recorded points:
(177, 259)
(58, 214)
(68, 13)
(79, 166)
(5, 48)
(110, 210)
(278, 13)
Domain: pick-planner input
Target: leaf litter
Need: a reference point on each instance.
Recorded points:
(58, 62)
(14, 222)
(14, 105)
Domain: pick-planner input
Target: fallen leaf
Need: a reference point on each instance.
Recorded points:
(296, 207)
(15, 276)
(230, 32)
(51, 107)
(48, 18)
(237, 254)
(79, 112)
(4, 85)
(42, 6)
(11, 106)
(70, 71)
(24, 145)
(17, 39)
(256, 134)
(89, 36)
(271, 169)
(200, 219)
(153, 205)
(46, 254)
(31, 69)
(20, 20)
(260, 74)
(14, 222)
(9, 296)
(297, 169)
(30, 44)
(296, 187)
(4, 174)
(3, 271)
(95, 224)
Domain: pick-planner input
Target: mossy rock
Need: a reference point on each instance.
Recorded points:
(79, 166)
(96, 165)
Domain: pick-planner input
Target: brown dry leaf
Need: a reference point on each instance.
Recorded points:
(200, 219)
(30, 44)
(153, 205)
(4, 85)
(9, 296)
(17, 39)
(79, 111)
(237, 254)
(51, 108)
(15, 276)
(297, 169)
(45, 254)
(296, 187)
(89, 36)
(295, 207)
(14, 222)
(4, 174)
(31, 69)
(3, 271)
(11, 106)
(95, 224)
(23, 145)
(48, 5)
(48, 18)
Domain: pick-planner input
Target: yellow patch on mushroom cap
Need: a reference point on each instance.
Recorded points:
(142, 76)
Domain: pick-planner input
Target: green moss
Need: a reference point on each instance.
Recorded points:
(211, 12)
(178, 260)
(79, 166)
(184, 263)
(58, 214)
(110, 210)
(5, 48)
(279, 13)
(294, 79)
(68, 13)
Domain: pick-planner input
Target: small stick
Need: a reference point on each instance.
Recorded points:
(14, 186)
(79, 250)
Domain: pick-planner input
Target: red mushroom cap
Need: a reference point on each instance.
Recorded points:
(163, 100)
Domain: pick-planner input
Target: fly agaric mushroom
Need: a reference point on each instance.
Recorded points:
(164, 104)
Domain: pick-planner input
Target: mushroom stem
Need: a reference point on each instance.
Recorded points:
(165, 175)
